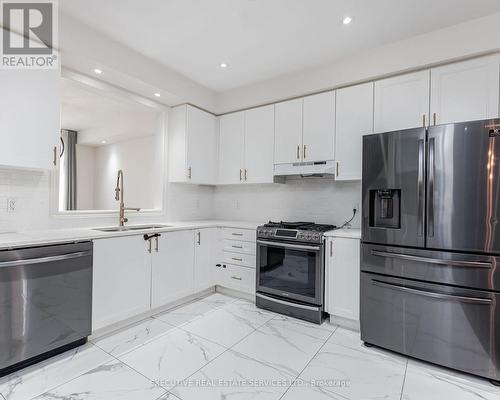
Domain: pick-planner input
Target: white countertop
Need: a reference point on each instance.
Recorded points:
(345, 233)
(10, 240)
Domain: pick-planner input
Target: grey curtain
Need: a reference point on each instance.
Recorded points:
(68, 163)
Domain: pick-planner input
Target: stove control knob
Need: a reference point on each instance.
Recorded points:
(316, 237)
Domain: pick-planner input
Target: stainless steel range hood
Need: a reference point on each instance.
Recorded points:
(306, 169)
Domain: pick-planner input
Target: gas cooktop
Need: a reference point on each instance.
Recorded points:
(296, 231)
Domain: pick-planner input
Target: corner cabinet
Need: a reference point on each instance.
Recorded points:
(342, 280)
(29, 118)
(205, 253)
(354, 118)
(192, 146)
(246, 142)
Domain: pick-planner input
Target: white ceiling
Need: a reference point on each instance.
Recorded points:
(263, 39)
(98, 116)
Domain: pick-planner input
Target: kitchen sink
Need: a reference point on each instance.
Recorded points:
(130, 228)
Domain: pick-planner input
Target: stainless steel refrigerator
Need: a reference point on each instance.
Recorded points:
(430, 252)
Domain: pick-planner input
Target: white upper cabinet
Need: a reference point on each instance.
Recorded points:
(354, 118)
(231, 148)
(401, 102)
(192, 146)
(29, 118)
(288, 132)
(259, 145)
(319, 127)
(465, 91)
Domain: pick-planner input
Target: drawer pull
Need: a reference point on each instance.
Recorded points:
(237, 259)
(237, 234)
(236, 277)
(237, 247)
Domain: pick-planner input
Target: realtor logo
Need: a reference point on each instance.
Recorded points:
(29, 34)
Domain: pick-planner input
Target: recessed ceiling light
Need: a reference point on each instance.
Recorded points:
(157, 95)
(223, 65)
(347, 20)
(98, 71)
(103, 141)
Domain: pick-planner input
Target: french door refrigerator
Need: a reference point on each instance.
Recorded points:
(430, 252)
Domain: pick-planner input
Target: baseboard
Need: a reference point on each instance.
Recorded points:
(235, 293)
(150, 313)
(352, 325)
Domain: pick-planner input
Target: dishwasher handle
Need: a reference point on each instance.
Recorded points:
(41, 260)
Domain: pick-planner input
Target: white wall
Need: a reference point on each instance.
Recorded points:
(312, 199)
(468, 39)
(85, 172)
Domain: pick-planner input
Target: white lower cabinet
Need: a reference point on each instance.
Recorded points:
(172, 267)
(121, 279)
(239, 278)
(205, 247)
(342, 278)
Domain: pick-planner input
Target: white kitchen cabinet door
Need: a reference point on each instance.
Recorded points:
(342, 278)
(121, 279)
(231, 148)
(172, 275)
(192, 144)
(319, 127)
(354, 118)
(29, 118)
(204, 258)
(401, 102)
(288, 131)
(201, 146)
(259, 145)
(239, 278)
(465, 91)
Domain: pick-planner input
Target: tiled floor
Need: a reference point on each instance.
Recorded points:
(224, 348)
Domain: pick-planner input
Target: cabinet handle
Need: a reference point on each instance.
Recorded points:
(237, 259)
(337, 169)
(237, 234)
(237, 247)
(199, 238)
(434, 118)
(149, 245)
(241, 171)
(331, 248)
(189, 172)
(54, 161)
(423, 120)
(156, 244)
(305, 147)
(246, 173)
(298, 152)
(236, 277)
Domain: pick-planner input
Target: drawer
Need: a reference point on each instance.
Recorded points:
(240, 278)
(247, 235)
(238, 246)
(246, 260)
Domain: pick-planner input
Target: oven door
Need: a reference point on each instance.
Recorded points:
(290, 270)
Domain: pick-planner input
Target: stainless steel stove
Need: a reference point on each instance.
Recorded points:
(291, 268)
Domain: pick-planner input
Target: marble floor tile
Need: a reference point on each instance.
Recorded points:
(130, 338)
(227, 325)
(218, 299)
(172, 357)
(425, 381)
(235, 376)
(285, 343)
(187, 313)
(111, 381)
(41, 377)
(346, 367)
(311, 393)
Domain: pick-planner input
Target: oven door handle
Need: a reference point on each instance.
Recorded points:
(289, 245)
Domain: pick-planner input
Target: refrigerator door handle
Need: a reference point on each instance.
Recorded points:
(439, 261)
(435, 295)
(420, 189)
(430, 216)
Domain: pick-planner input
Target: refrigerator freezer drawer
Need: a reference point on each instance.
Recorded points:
(453, 327)
(459, 269)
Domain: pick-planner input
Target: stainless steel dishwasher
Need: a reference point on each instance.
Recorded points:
(45, 302)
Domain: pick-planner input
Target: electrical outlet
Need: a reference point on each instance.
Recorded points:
(237, 204)
(356, 207)
(11, 205)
